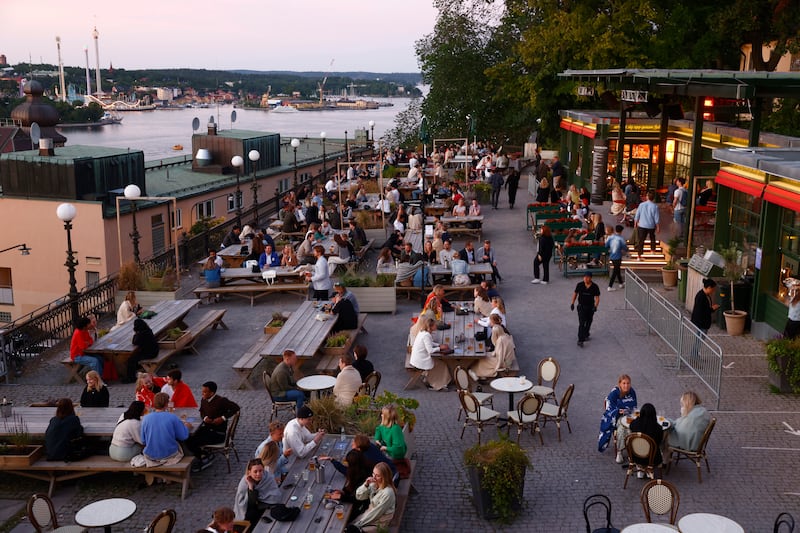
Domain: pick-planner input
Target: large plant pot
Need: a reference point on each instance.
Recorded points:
(375, 299)
(481, 497)
(735, 322)
(669, 277)
(20, 457)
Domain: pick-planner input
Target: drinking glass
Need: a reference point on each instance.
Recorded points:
(309, 499)
(340, 512)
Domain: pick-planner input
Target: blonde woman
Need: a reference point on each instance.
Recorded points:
(689, 428)
(617, 200)
(96, 393)
(128, 309)
(498, 308)
(422, 350)
(269, 458)
(379, 489)
(502, 357)
(289, 258)
(389, 434)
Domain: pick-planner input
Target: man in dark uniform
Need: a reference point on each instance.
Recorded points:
(588, 295)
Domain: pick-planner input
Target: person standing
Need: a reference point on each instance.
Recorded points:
(557, 172)
(543, 256)
(792, 328)
(512, 183)
(646, 223)
(320, 278)
(496, 181)
(588, 295)
(704, 306)
(680, 200)
(616, 248)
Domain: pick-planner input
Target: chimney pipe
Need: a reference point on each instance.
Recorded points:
(212, 128)
(46, 147)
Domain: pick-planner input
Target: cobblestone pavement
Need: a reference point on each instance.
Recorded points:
(751, 457)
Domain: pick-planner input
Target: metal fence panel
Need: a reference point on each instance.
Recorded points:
(665, 319)
(636, 294)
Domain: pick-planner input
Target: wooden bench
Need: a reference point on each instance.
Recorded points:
(329, 364)
(74, 370)
(464, 230)
(151, 366)
(404, 489)
(248, 362)
(55, 471)
(254, 291)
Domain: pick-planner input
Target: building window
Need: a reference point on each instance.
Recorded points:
(205, 209)
(6, 287)
(176, 218)
(5, 316)
(283, 185)
(233, 201)
(745, 223)
(92, 279)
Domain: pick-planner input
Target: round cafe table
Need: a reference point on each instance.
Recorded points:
(317, 383)
(665, 423)
(644, 527)
(705, 522)
(105, 513)
(511, 386)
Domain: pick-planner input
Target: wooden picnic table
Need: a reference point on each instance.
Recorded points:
(449, 221)
(96, 421)
(438, 208)
(461, 337)
(232, 276)
(232, 255)
(302, 333)
(317, 517)
(478, 269)
(117, 344)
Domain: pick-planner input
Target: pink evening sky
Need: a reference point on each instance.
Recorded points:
(301, 35)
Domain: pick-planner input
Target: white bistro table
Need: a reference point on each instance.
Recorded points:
(705, 522)
(645, 527)
(511, 386)
(316, 383)
(105, 513)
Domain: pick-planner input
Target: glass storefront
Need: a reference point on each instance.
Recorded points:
(789, 250)
(745, 224)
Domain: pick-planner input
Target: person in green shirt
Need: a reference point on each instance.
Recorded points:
(389, 434)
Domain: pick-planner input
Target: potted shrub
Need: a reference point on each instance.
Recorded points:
(374, 294)
(669, 272)
(496, 473)
(483, 192)
(149, 289)
(783, 362)
(734, 318)
(276, 323)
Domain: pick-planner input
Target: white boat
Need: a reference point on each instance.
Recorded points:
(284, 109)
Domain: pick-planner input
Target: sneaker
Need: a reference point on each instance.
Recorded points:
(472, 374)
(544, 283)
(611, 289)
(640, 474)
(207, 461)
(580, 343)
(535, 281)
(197, 465)
(622, 285)
(619, 458)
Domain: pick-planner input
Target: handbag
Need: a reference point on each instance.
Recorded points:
(282, 513)
(480, 335)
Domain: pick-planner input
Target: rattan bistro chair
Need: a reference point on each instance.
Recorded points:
(475, 414)
(601, 502)
(465, 383)
(549, 371)
(698, 456)
(642, 447)
(372, 382)
(288, 406)
(784, 519)
(228, 445)
(527, 415)
(42, 516)
(558, 412)
(163, 522)
(661, 498)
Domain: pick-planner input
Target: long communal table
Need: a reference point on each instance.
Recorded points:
(117, 344)
(233, 276)
(460, 337)
(317, 517)
(302, 333)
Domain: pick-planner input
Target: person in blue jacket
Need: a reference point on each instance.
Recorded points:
(620, 401)
(269, 258)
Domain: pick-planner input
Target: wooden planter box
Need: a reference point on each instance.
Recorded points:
(375, 299)
(338, 351)
(272, 330)
(178, 344)
(20, 458)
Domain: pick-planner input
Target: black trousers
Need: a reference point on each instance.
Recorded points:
(616, 272)
(585, 316)
(495, 197)
(545, 264)
(792, 329)
(642, 233)
(512, 196)
(202, 436)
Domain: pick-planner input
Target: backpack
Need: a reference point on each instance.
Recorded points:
(684, 196)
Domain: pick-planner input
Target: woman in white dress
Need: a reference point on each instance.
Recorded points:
(128, 310)
(436, 371)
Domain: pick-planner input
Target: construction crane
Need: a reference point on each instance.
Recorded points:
(321, 86)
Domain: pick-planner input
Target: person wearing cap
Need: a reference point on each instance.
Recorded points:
(588, 295)
(340, 289)
(297, 436)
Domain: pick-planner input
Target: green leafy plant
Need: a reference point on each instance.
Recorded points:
(672, 246)
(733, 268)
(329, 415)
(783, 357)
(503, 465)
(205, 224)
(17, 432)
(337, 341)
(278, 320)
(405, 408)
(174, 334)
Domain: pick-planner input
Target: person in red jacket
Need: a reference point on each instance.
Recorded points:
(179, 392)
(81, 340)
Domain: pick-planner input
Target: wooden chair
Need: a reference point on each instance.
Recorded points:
(698, 455)
(43, 518)
(277, 407)
(643, 447)
(602, 502)
(527, 414)
(465, 383)
(372, 382)
(163, 522)
(241, 526)
(558, 412)
(660, 497)
(475, 414)
(784, 519)
(228, 445)
(549, 371)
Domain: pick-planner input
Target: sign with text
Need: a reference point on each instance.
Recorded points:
(633, 96)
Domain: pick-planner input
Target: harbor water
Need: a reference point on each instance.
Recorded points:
(158, 132)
